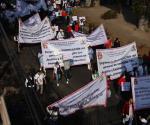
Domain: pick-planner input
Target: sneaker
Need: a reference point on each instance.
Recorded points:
(67, 82)
(57, 84)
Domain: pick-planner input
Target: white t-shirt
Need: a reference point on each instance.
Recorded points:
(41, 79)
(60, 35)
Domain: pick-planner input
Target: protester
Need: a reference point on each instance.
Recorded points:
(91, 57)
(67, 64)
(69, 31)
(29, 82)
(124, 87)
(82, 23)
(108, 43)
(128, 112)
(116, 43)
(39, 80)
(53, 115)
(57, 73)
(60, 35)
(95, 74)
(76, 27)
(108, 87)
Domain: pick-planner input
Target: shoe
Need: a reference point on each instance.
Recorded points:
(67, 82)
(57, 84)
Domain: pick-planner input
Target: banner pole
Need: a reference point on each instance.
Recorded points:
(18, 47)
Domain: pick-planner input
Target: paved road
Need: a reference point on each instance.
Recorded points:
(80, 77)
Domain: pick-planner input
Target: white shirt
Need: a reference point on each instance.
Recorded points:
(55, 68)
(60, 35)
(39, 78)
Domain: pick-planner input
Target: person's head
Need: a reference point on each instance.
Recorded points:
(57, 63)
(108, 78)
(116, 39)
(61, 30)
(130, 101)
(55, 108)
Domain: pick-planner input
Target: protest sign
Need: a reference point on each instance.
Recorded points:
(141, 92)
(53, 51)
(33, 20)
(36, 33)
(92, 94)
(97, 37)
(112, 61)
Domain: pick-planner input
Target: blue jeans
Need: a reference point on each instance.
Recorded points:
(58, 77)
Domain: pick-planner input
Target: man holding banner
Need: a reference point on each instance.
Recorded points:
(92, 94)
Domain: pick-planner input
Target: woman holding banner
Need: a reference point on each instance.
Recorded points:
(128, 112)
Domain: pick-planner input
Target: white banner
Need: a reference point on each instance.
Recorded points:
(33, 20)
(54, 50)
(36, 33)
(112, 61)
(141, 92)
(97, 37)
(92, 94)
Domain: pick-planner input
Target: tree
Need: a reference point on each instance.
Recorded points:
(142, 10)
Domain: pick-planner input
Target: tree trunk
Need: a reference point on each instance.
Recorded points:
(143, 24)
(88, 3)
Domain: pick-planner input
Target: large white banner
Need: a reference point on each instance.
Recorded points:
(112, 62)
(53, 51)
(97, 37)
(141, 92)
(33, 20)
(35, 34)
(89, 95)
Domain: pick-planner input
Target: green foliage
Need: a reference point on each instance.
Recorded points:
(138, 7)
(110, 14)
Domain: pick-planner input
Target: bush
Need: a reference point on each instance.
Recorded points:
(110, 14)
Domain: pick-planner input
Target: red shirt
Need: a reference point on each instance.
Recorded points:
(76, 27)
(122, 79)
(108, 44)
(64, 13)
(69, 28)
